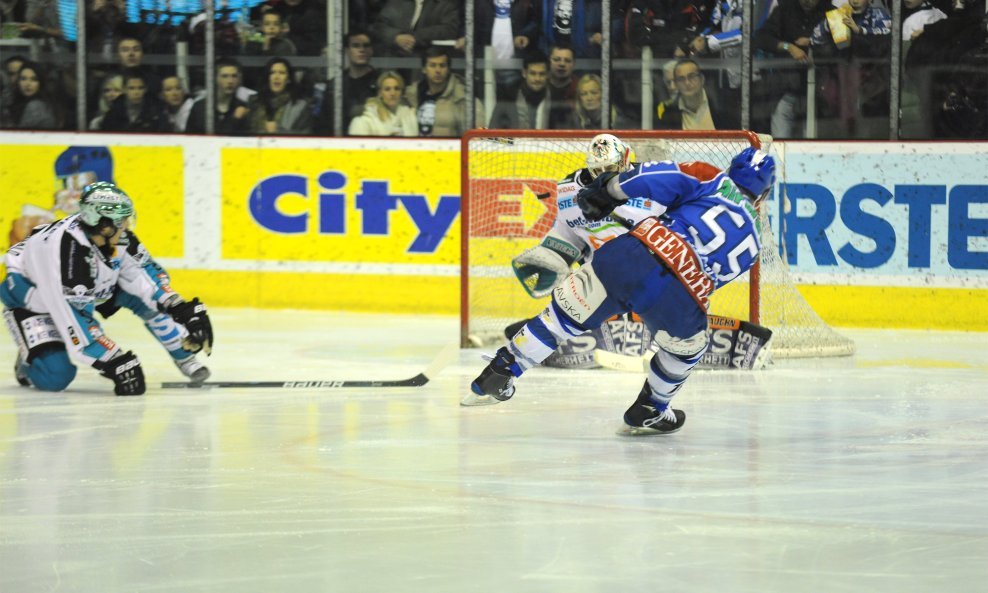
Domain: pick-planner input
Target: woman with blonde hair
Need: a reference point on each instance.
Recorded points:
(385, 115)
(586, 114)
(111, 88)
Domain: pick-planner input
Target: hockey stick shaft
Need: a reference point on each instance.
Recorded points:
(444, 357)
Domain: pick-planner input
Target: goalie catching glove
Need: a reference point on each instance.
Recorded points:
(539, 269)
(193, 317)
(125, 372)
(597, 199)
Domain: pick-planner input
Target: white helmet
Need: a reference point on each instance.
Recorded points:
(608, 153)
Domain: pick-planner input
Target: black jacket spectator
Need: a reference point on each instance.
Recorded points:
(439, 20)
(226, 124)
(149, 118)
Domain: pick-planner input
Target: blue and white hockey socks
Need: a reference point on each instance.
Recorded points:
(666, 374)
(540, 337)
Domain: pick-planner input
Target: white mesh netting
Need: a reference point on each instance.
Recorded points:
(503, 215)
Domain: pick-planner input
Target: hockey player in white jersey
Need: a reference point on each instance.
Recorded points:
(59, 276)
(665, 269)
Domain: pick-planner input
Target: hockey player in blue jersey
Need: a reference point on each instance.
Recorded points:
(66, 271)
(665, 270)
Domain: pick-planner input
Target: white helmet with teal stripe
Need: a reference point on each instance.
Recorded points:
(103, 204)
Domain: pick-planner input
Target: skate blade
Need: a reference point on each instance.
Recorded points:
(638, 431)
(472, 399)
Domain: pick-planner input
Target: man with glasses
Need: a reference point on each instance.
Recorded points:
(692, 109)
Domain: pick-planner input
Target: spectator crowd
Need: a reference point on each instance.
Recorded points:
(537, 65)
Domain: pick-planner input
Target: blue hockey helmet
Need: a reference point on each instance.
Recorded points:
(103, 204)
(753, 171)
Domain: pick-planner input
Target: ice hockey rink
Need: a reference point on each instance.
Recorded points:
(863, 474)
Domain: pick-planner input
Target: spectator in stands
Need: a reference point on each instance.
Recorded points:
(363, 13)
(359, 83)
(573, 23)
(32, 106)
(42, 21)
(859, 80)
(177, 103)
(230, 115)
(136, 110)
(787, 32)
(439, 100)
(587, 114)
(693, 109)
(946, 68)
(384, 115)
(111, 89)
(8, 81)
(667, 26)
(278, 107)
(562, 84)
(103, 21)
(274, 42)
(306, 20)
(511, 27)
(528, 107)
(407, 27)
(723, 38)
(130, 56)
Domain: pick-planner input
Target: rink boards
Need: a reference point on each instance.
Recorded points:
(877, 234)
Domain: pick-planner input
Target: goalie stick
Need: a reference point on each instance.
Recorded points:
(441, 361)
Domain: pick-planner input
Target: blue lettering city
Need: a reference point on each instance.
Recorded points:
(374, 200)
(932, 213)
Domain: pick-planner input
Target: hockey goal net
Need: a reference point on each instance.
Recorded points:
(509, 189)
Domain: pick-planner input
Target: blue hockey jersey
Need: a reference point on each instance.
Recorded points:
(714, 217)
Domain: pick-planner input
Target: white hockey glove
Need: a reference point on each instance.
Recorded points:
(539, 269)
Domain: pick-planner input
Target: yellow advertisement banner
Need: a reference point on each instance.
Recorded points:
(336, 205)
(41, 183)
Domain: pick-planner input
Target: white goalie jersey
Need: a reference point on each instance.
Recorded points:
(574, 235)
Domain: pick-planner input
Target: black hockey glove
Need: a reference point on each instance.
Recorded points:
(192, 315)
(595, 201)
(126, 373)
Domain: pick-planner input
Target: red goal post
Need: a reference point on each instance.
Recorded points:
(508, 204)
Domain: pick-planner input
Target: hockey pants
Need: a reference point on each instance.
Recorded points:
(623, 277)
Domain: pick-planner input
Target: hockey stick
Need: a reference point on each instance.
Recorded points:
(444, 357)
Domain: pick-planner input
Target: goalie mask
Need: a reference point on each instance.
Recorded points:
(103, 205)
(608, 153)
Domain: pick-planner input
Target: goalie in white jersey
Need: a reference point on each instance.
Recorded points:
(66, 271)
(665, 269)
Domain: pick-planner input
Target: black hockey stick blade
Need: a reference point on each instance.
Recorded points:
(444, 357)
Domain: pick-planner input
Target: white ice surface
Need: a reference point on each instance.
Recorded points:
(867, 474)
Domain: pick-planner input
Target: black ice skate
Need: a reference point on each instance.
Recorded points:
(20, 372)
(643, 418)
(494, 384)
